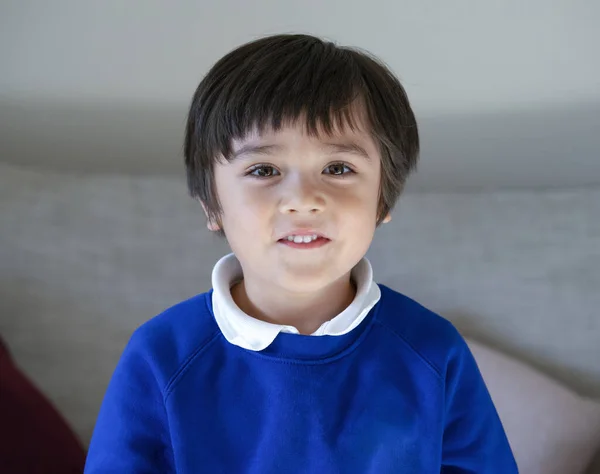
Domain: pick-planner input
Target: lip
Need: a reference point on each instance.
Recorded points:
(303, 232)
(315, 244)
(321, 240)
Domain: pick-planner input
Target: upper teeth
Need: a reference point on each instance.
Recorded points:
(298, 239)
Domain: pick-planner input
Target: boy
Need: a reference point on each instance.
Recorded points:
(296, 361)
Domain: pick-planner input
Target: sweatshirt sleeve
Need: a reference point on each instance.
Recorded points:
(131, 433)
(474, 440)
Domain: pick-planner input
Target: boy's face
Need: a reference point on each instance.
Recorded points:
(288, 183)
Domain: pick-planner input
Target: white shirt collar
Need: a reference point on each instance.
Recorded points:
(253, 334)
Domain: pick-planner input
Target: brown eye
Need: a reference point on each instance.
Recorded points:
(263, 171)
(338, 169)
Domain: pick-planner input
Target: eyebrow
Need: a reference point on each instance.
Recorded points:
(251, 149)
(351, 148)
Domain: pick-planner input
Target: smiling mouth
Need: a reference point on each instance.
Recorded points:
(304, 241)
(299, 239)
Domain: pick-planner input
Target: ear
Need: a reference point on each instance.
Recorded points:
(387, 218)
(212, 226)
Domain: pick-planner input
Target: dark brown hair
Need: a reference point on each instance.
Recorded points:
(284, 78)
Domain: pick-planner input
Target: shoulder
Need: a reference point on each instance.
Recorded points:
(170, 340)
(432, 338)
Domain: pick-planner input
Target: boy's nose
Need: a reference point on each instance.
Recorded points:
(302, 196)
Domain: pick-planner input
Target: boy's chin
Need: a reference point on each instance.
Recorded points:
(306, 281)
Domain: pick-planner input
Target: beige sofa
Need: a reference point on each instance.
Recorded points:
(86, 258)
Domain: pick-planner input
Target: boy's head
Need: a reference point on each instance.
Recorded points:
(290, 134)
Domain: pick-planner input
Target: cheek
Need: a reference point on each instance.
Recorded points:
(245, 207)
(360, 201)
(361, 209)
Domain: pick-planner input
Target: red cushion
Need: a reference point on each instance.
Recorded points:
(34, 437)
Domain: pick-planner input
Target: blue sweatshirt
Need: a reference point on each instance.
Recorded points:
(400, 393)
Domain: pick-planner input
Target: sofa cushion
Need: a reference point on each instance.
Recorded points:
(551, 429)
(34, 437)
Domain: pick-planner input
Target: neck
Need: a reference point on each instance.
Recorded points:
(304, 311)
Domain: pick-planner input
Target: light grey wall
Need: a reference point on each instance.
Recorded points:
(507, 93)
